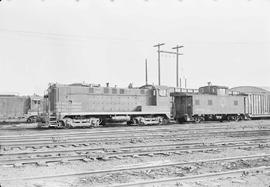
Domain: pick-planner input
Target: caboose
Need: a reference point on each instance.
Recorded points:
(92, 105)
(209, 103)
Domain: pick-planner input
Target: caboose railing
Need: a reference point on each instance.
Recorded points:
(185, 90)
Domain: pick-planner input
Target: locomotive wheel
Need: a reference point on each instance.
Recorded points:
(197, 119)
(135, 121)
(237, 118)
(163, 121)
(229, 118)
(60, 124)
(31, 119)
(67, 123)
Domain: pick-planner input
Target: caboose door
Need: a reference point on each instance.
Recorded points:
(186, 108)
(189, 109)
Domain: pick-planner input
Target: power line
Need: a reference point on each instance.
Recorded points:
(158, 46)
(52, 35)
(177, 61)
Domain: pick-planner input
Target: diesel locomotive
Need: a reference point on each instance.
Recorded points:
(92, 105)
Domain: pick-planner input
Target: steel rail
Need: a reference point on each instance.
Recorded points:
(184, 178)
(113, 131)
(64, 158)
(82, 139)
(83, 173)
(137, 147)
(21, 138)
(94, 131)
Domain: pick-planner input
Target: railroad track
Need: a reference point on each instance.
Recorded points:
(44, 157)
(213, 124)
(115, 134)
(21, 144)
(207, 176)
(263, 158)
(113, 131)
(256, 140)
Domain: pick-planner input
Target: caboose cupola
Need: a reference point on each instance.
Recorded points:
(214, 90)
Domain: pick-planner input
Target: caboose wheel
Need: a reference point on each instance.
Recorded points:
(135, 121)
(165, 121)
(237, 118)
(198, 119)
(67, 123)
(60, 124)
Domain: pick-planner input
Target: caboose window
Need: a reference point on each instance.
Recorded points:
(122, 91)
(197, 102)
(106, 90)
(142, 91)
(235, 102)
(91, 90)
(210, 102)
(114, 91)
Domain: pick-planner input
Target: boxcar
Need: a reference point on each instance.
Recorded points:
(258, 100)
(91, 105)
(210, 103)
(13, 107)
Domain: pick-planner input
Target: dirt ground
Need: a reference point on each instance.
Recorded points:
(256, 178)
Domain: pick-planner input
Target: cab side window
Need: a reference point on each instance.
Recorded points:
(162, 93)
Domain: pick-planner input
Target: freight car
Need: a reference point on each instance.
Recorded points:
(92, 105)
(258, 100)
(14, 108)
(209, 103)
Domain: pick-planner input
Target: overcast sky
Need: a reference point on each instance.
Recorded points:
(98, 41)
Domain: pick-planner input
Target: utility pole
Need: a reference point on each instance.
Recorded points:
(158, 46)
(146, 74)
(177, 63)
